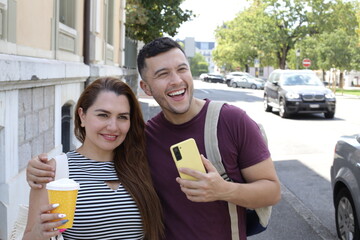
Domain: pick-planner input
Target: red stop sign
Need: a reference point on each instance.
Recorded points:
(306, 62)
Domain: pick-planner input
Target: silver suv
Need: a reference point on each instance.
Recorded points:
(231, 75)
(298, 91)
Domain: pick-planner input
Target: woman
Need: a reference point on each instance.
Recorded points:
(116, 199)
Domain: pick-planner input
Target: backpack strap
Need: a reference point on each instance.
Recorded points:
(211, 140)
(62, 166)
(213, 154)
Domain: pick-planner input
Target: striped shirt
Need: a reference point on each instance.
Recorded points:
(101, 212)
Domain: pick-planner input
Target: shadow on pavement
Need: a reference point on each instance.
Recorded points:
(306, 210)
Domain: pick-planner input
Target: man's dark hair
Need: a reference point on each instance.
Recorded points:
(155, 47)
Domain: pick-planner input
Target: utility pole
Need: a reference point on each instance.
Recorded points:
(297, 58)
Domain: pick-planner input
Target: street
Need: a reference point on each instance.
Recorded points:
(302, 149)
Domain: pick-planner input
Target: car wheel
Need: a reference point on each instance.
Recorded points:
(253, 86)
(234, 85)
(347, 226)
(267, 108)
(329, 115)
(282, 109)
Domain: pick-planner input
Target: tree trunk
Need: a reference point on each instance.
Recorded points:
(341, 83)
(282, 57)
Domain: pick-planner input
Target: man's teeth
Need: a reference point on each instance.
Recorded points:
(177, 92)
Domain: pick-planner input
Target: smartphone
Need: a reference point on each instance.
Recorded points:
(186, 155)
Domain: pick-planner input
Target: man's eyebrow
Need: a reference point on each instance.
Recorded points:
(162, 69)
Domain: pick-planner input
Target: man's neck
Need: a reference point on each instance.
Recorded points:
(195, 107)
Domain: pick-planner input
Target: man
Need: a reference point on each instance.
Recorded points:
(198, 209)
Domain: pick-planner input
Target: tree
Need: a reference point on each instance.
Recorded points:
(335, 45)
(149, 19)
(198, 65)
(272, 30)
(268, 29)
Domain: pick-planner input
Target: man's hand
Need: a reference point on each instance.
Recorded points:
(39, 171)
(209, 186)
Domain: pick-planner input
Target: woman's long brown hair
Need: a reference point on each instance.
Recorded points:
(130, 157)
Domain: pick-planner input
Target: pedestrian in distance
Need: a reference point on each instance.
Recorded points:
(198, 209)
(116, 199)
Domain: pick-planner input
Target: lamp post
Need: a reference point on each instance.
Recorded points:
(297, 58)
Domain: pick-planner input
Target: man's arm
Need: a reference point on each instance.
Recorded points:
(39, 171)
(262, 187)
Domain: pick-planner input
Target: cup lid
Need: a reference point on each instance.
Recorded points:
(63, 184)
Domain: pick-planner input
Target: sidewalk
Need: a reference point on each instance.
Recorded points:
(148, 105)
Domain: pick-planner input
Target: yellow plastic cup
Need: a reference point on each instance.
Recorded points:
(64, 192)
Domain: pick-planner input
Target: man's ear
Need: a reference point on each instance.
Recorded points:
(145, 87)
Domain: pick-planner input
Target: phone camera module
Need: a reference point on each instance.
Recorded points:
(177, 153)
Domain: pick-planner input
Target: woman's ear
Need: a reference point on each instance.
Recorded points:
(82, 116)
(145, 87)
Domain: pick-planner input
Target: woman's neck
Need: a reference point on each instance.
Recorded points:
(91, 153)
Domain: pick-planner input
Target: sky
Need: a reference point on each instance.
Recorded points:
(210, 14)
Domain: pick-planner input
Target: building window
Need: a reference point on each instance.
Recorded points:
(261, 71)
(1, 23)
(67, 26)
(66, 127)
(110, 23)
(67, 13)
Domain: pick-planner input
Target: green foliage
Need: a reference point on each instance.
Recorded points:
(327, 32)
(149, 19)
(198, 65)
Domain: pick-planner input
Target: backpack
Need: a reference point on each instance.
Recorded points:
(257, 219)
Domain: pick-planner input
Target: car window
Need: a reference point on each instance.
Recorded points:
(301, 80)
(274, 77)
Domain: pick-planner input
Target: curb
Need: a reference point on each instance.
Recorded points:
(309, 217)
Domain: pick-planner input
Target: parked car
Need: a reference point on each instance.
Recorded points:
(298, 91)
(214, 78)
(345, 182)
(247, 82)
(203, 76)
(231, 75)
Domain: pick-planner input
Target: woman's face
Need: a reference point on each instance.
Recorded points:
(106, 122)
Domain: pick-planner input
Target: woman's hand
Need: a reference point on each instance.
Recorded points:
(46, 225)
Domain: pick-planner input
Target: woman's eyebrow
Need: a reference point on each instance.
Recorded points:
(106, 111)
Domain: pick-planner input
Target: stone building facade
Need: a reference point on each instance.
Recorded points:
(49, 51)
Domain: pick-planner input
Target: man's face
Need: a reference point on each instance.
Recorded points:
(168, 79)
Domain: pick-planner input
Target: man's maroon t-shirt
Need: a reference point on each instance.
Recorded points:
(241, 145)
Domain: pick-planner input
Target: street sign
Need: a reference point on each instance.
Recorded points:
(256, 62)
(306, 62)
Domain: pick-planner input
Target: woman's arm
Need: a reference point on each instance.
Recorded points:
(39, 223)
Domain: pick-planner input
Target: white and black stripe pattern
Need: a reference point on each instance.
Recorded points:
(101, 213)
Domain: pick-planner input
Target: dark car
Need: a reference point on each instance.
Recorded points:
(298, 91)
(214, 78)
(345, 181)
